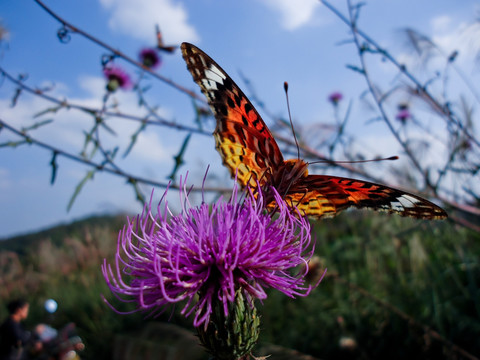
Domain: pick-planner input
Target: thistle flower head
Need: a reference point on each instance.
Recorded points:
(403, 115)
(149, 58)
(207, 253)
(335, 97)
(116, 78)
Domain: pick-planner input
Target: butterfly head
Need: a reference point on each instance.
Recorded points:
(287, 174)
(290, 172)
(297, 168)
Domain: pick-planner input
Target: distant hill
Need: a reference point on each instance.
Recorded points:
(21, 244)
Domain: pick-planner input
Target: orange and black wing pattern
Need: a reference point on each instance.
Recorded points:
(250, 152)
(326, 196)
(246, 145)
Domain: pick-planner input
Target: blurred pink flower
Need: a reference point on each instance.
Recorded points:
(403, 115)
(149, 58)
(335, 97)
(117, 78)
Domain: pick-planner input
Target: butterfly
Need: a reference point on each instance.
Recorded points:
(160, 44)
(250, 152)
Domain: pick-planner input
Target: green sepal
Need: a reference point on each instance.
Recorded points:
(231, 337)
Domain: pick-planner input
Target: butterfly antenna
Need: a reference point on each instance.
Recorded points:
(354, 161)
(285, 86)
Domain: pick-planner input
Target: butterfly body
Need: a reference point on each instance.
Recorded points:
(250, 152)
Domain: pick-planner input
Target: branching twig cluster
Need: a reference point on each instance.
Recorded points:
(454, 131)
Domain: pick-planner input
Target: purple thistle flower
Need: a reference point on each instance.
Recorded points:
(335, 97)
(117, 78)
(206, 253)
(149, 58)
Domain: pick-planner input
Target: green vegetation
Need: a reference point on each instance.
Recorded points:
(395, 288)
(393, 283)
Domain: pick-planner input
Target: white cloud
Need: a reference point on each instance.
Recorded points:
(446, 34)
(449, 35)
(149, 147)
(441, 23)
(294, 13)
(138, 18)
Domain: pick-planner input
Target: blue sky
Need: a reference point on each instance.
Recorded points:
(269, 41)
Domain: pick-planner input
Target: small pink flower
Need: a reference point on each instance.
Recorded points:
(117, 78)
(403, 115)
(335, 97)
(149, 58)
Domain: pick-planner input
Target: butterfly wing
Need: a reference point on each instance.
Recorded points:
(326, 196)
(250, 152)
(246, 145)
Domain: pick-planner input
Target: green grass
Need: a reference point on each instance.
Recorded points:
(392, 282)
(395, 288)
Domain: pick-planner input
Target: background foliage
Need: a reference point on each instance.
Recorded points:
(395, 287)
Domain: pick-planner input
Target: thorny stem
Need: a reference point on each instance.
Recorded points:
(68, 105)
(98, 144)
(308, 151)
(421, 90)
(178, 87)
(451, 63)
(353, 27)
(97, 166)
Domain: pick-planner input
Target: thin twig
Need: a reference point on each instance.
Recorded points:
(170, 82)
(402, 68)
(114, 171)
(361, 54)
(67, 105)
(308, 151)
(118, 53)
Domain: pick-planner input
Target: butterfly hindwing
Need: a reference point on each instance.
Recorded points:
(324, 196)
(246, 144)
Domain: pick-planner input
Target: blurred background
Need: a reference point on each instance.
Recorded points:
(367, 80)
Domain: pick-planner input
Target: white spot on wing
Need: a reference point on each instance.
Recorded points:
(218, 72)
(410, 198)
(209, 85)
(397, 206)
(203, 61)
(407, 201)
(209, 74)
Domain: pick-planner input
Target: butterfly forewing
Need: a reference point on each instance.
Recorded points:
(250, 152)
(246, 145)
